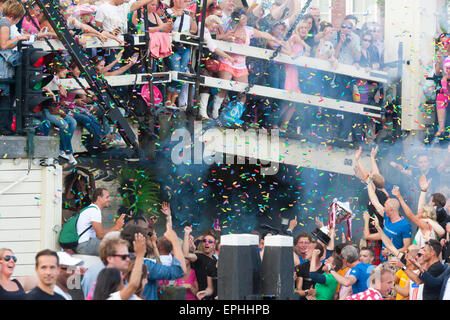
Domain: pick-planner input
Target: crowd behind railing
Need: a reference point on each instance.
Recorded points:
(254, 24)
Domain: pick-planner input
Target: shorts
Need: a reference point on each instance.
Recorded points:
(442, 101)
(89, 247)
(237, 73)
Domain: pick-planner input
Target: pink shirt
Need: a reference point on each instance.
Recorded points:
(239, 59)
(192, 278)
(28, 25)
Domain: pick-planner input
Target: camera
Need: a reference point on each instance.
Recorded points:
(186, 11)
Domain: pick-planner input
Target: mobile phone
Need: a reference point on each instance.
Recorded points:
(45, 29)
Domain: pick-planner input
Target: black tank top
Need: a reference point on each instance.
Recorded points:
(151, 24)
(13, 295)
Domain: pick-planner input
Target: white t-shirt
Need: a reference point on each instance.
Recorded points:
(415, 290)
(58, 290)
(89, 215)
(447, 291)
(113, 17)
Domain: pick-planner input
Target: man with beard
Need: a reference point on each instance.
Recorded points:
(204, 264)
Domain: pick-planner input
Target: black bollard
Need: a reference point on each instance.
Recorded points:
(239, 267)
(277, 271)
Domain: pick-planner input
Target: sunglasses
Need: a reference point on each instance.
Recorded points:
(367, 40)
(209, 241)
(123, 256)
(7, 258)
(420, 254)
(346, 27)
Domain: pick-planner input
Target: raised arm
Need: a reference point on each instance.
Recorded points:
(100, 232)
(373, 197)
(408, 212)
(190, 256)
(345, 281)
(373, 154)
(361, 168)
(136, 274)
(386, 241)
(165, 209)
(367, 234)
(138, 4)
(424, 185)
(400, 168)
(177, 252)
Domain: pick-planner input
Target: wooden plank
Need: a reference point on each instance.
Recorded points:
(19, 223)
(22, 246)
(10, 176)
(19, 235)
(24, 270)
(32, 199)
(14, 212)
(22, 188)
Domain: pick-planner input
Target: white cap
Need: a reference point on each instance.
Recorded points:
(67, 260)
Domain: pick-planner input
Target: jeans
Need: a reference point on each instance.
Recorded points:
(67, 126)
(276, 76)
(179, 61)
(91, 123)
(276, 79)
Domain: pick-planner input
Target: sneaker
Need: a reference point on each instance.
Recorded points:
(71, 159)
(63, 155)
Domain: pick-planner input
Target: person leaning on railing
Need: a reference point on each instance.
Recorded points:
(155, 22)
(12, 11)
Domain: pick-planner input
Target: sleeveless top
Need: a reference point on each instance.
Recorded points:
(13, 295)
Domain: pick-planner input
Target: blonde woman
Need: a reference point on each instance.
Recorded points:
(425, 219)
(13, 289)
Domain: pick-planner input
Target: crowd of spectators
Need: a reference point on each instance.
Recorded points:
(248, 24)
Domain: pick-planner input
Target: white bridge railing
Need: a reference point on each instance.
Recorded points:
(264, 91)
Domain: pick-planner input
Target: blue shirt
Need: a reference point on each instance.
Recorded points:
(90, 276)
(362, 273)
(396, 232)
(159, 272)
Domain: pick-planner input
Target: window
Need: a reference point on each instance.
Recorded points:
(324, 7)
(364, 10)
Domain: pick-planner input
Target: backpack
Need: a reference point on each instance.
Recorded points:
(68, 237)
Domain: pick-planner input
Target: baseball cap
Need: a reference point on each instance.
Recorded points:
(67, 260)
